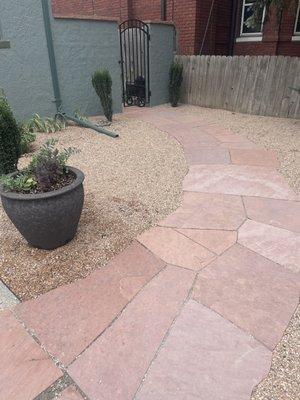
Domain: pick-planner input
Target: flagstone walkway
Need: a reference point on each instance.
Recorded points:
(190, 310)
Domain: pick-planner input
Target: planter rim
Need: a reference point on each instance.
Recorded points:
(54, 193)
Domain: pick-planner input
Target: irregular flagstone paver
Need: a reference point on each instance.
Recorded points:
(67, 319)
(207, 156)
(214, 240)
(113, 366)
(238, 180)
(70, 393)
(205, 357)
(25, 369)
(279, 245)
(175, 248)
(264, 158)
(281, 213)
(207, 211)
(7, 298)
(251, 291)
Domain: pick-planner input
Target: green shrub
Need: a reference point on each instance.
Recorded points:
(102, 83)
(175, 81)
(9, 139)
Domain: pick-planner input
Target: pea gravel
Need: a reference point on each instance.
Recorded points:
(131, 183)
(283, 381)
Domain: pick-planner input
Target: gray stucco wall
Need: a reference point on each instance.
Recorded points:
(24, 67)
(80, 47)
(161, 56)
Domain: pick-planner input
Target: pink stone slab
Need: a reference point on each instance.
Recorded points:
(215, 240)
(239, 145)
(238, 180)
(228, 137)
(207, 211)
(263, 158)
(279, 245)
(70, 394)
(25, 369)
(251, 291)
(207, 156)
(281, 213)
(114, 365)
(175, 248)
(205, 357)
(67, 319)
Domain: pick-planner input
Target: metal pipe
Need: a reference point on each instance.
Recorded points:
(233, 26)
(55, 80)
(87, 124)
(51, 54)
(163, 10)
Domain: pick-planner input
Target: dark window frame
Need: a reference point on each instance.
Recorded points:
(247, 3)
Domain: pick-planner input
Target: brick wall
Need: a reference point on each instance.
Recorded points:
(191, 18)
(276, 37)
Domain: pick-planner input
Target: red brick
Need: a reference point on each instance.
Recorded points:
(199, 28)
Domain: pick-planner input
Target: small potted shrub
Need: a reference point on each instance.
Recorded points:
(175, 81)
(44, 200)
(102, 83)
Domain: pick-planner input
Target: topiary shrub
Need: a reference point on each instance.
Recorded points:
(175, 81)
(10, 135)
(102, 83)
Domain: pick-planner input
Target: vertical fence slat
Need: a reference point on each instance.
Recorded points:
(250, 84)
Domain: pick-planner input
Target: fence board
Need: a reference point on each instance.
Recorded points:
(256, 85)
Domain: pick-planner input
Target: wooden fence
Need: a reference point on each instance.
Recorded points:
(248, 84)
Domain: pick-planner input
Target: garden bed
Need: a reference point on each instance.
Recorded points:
(131, 183)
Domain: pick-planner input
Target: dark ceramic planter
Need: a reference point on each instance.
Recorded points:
(47, 220)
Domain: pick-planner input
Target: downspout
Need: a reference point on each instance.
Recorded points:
(233, 26)
(55, 80)
(163, 10)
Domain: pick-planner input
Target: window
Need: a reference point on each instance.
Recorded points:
(297, 23)
(248, 28)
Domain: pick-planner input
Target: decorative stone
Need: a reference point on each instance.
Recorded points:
(114, 365)
(254, 293)
(205, 357)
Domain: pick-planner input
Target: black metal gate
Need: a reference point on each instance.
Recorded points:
(134, 43)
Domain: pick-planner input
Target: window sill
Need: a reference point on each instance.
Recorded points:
(249, 39)
(4, 44)
(296, 38)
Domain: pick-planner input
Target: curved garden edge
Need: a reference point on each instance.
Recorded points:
(53, 334)
(116, 208)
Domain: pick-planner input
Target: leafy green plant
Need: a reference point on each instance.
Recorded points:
(47, 125)
(10, 136)
(80, 116)
(46, 169)
(22, 182)
(175, 81)
(102, 83)
(26, 140)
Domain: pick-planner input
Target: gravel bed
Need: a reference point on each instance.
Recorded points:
(131, 183)
(280, 134)
(283, 381)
